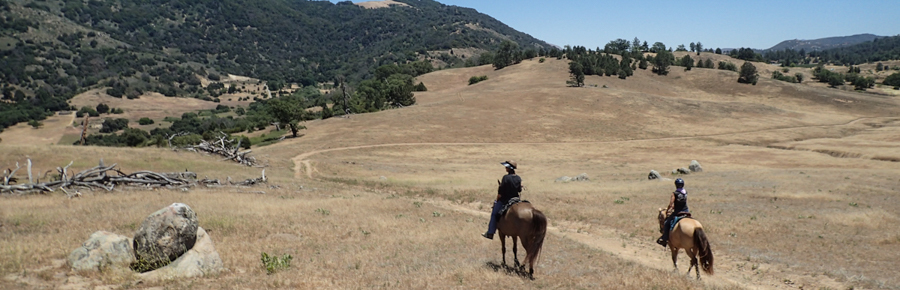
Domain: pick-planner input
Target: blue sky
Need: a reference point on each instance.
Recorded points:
(721, 23)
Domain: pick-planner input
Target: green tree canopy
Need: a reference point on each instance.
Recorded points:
(289, 111)
(687, 62)
(892, 80)
(748, 74)
(398, 90)
(662, 61)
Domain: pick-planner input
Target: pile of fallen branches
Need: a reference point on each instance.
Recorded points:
(100, 177)
(223, 147)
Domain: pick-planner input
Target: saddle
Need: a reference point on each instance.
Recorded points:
(678, 218)
(509, 204)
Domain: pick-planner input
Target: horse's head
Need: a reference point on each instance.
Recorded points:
(661, 217)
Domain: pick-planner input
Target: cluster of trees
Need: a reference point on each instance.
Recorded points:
(726, 65)
(880, 49)
(598, 62)
(391, 87)
(796, 78)
(834, 79)
(893, 80)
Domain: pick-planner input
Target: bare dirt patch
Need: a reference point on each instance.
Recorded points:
(380, 4)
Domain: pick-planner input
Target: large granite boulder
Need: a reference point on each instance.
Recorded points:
(101, 252)
(164, 236)
(695, 166)
(201, 260)
(653, 175)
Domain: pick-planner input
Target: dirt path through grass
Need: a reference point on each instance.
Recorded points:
(729, 270)
(651, 255)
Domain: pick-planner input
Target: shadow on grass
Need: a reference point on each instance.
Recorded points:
(516, 271)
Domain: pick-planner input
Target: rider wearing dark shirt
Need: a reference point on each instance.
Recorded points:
(510, 187)
(677, 206)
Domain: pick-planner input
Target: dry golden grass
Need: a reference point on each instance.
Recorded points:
(53, 129)
(796, 191)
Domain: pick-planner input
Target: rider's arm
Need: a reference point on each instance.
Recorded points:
(671, 205)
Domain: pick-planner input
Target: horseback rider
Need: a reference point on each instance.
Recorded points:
(677, 206)
(510, 187)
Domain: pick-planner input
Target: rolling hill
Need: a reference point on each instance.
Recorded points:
(824, 43)
(794, 174)
(51, 50)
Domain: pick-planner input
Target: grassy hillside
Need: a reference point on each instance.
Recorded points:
(794, 175)
(53, 50)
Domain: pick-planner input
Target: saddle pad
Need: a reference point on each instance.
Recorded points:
(675, 222)
(509, 204)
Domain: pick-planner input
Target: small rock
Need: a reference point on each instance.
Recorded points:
(581, 177)
(681, 171)
(653, 175)
(695, 166)
(102, 251)
(164, 236)
(564, 179)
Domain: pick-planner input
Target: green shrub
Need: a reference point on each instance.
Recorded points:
(145, 121)
(727, 66)
(274, 263)
(542, 60)
(476, 79)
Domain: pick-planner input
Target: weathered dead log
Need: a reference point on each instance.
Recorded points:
(252, 181)
(109, 177)
(97, 178)
(222, 146)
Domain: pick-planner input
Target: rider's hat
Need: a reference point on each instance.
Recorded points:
(510, 164)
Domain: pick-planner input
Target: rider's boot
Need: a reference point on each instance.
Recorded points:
(492, 225)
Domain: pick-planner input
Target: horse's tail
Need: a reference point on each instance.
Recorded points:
(539, 230)
(706, 254)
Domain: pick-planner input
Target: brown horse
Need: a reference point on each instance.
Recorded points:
(688, 235)
(524, 222)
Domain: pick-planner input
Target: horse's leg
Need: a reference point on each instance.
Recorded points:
(503, 247)
(515, 252)
(694, 263)
(674, 257)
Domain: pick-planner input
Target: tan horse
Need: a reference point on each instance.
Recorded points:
(688, 235)
(524, 222)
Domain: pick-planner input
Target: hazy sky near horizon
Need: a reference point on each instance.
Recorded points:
(722, 23)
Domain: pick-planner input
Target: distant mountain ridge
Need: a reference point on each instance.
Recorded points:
(824, 43)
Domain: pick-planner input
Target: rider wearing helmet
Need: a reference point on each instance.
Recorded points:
(677, 206)
(510, 186)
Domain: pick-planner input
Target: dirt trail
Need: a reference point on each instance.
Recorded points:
(729, 270)
(648, 254)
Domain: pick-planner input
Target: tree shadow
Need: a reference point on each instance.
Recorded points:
(516, 271)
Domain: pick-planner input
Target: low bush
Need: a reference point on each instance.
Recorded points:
(476, 79)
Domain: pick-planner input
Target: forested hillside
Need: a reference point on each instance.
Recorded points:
(50, 50)
(823, 43)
